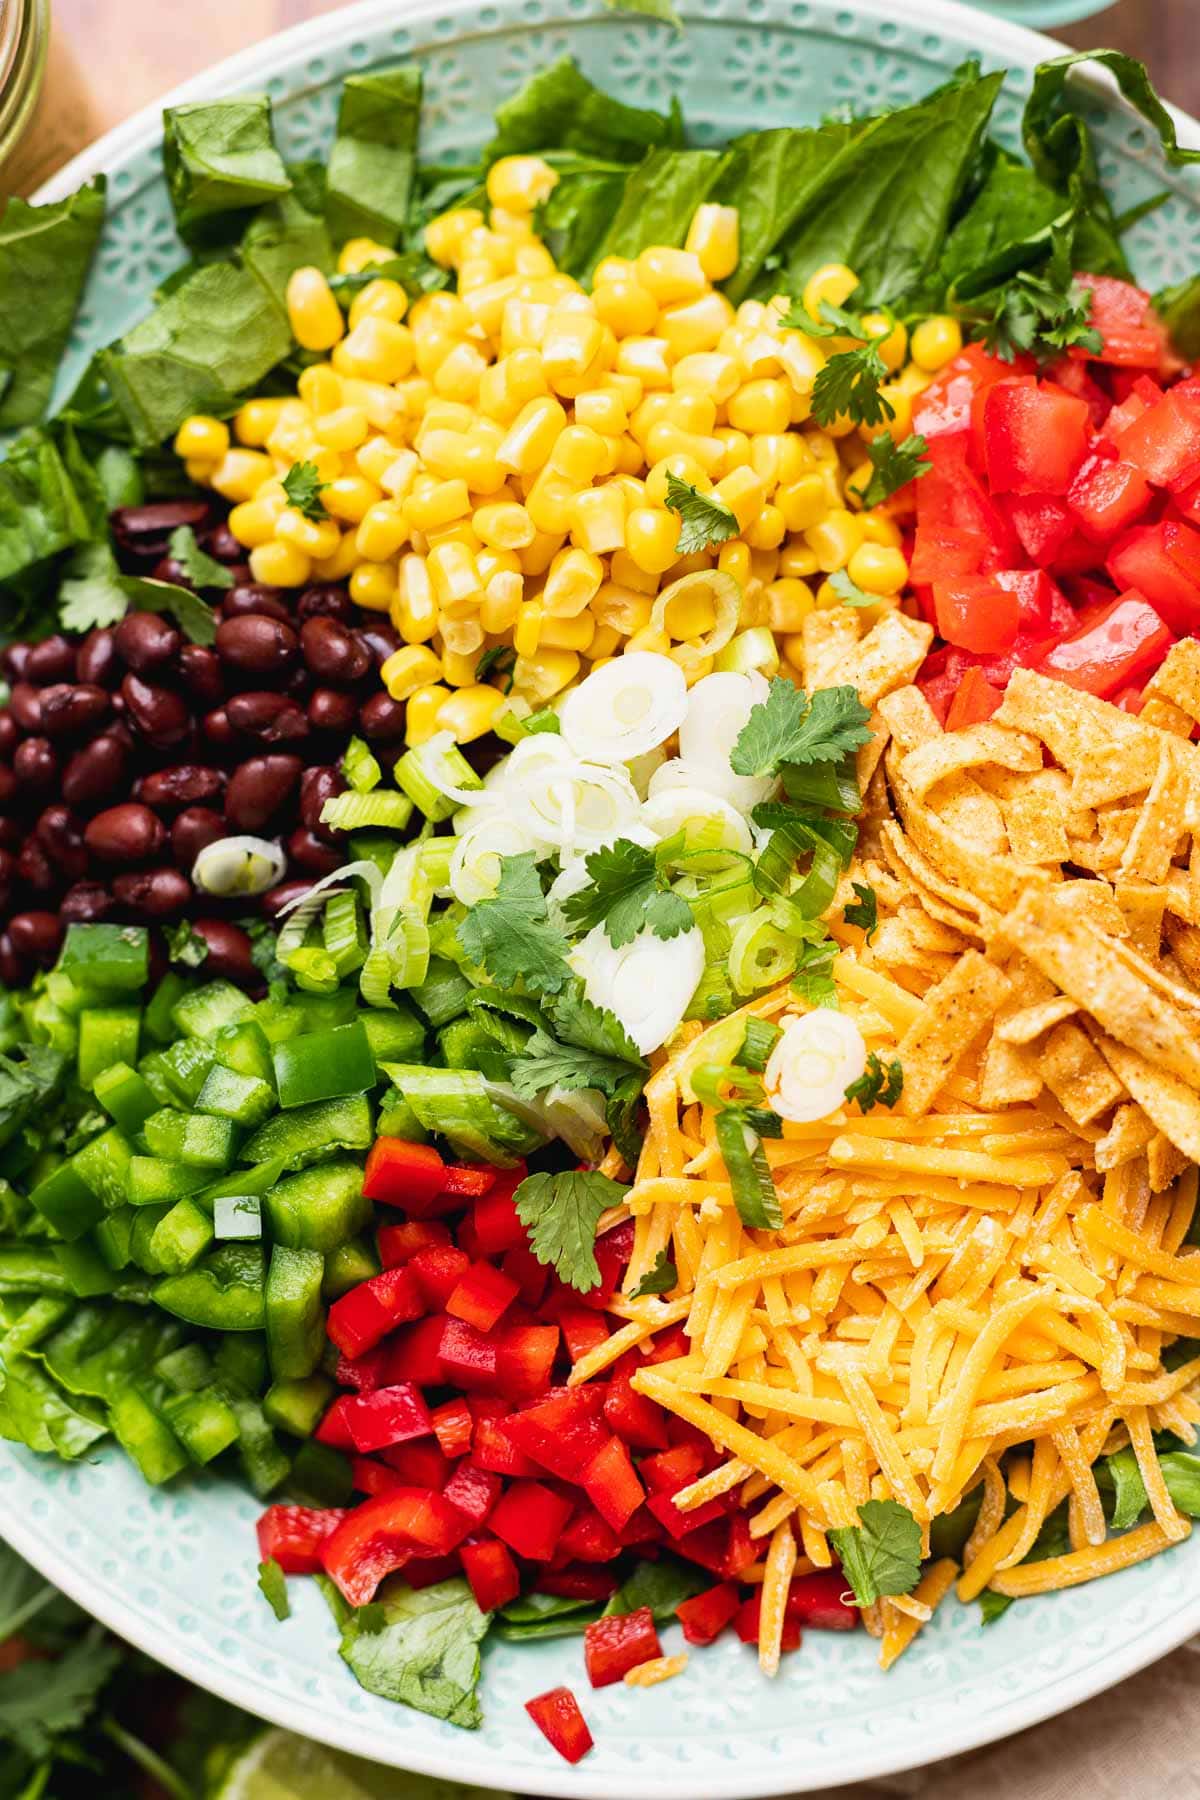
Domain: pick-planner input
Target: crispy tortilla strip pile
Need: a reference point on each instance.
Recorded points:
(977, 1289)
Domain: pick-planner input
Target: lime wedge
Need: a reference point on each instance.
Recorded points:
(277, 1765)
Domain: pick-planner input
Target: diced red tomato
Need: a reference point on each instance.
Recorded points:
(1035, 438)
(976, 613)
(1113, 651)
(361, 1318)
(453, 1425)
(1164, 442)
(818, 1600)
(1163, 563)
(292, 1536)
(399, 1243)
(975, 699)
(481, 1296)
(1044, 525)
(402, 1174)
(474, 1491)
(421, 1462)
(389, 1415)
(611, 1483)
(1108, 495)
(705, 1616)
(557, 1716)
(960, 528)
(613, 1646)
(530, 1518)
(1122, 314)
(492, 1573)
(381, 1535)
(749, 1619)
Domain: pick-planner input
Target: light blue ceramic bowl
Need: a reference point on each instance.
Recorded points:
(1044, 13)
(174, 1570)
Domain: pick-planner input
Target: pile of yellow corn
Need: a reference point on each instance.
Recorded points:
(495, 463)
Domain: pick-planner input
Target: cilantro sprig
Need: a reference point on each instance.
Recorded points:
(864, 910)
(658, 1280)
(303, 486)
(880, 1084)
(628, 892)
(882, 1553)
(1041, 313)
(703, 519)
(849, 386)
(510, 934)
(894, 465)
(589, 1048)
(789, 726)
(561, 1213)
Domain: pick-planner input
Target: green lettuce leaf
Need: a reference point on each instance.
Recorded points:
(373, 160)
(45, 254)
(220, 161)
(560, 109)
(421, 1649)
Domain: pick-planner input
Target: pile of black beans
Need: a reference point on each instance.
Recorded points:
(126, 752)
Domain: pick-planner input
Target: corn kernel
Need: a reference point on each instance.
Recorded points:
(579, 455)
(604, 645)
(548, 504)
(713, 239)
(461, 637)
(601, 411)
(536, 558)
(834, 540)
(789, 602)
(891, 339)
(657, 642)
(421, 713)
(344, 429)
(761, 406)
(240, 474)
(501, 603)
(625, 306)
(568, 634)
(647, 358)
(801, 360)
(744, 493)
(666, 439)
(532, 436)
(797, 559)
(253, 522)
(707, 372)
(444, 235)
(803, 503)
(382, 531)
(573, 580)
(913, 380)
(414, 608)
(406, 670)
(460, 372)
(651, 535)
(572, 343)
(880, 528)
(377, 349)
(350, 498)
(767, 531)
(520, 183)
(596, 519)
(876, 569)
(621, 609)
(280, 565)
(671, 275)
(384, 297)
(679, 463)
(833, 282)
(201, 436)
(373, 585)
(695, 325)
(527, 631)
(313, 314)
(935, 342)
(359, 254)
(626, 573)
(454, 574)
(471, 712)
(504, 525)
(733, 558)
(341, 564)
(254, 422)
(318, 538)
(439, 504)
(540, 677)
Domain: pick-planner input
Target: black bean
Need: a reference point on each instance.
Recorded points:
(147, 641)
(35, 868)
(51, 660)
(217, 732)
(10, 732)
(158, 712)
(96, 660)
(36, 935)
(327, 601)
(382, 719)
(8, 876)
(274, 901)
(69, 709)
(331, 709)
(254, 644)
(184, 784)
(35, 764)
(229, 952)
(85, 903)
(193, 831)
(144, 531)
(200, 669)
(252, 597)
(128, 833)
(8, 785)
(14, 659)
(95, 771)
(316, 787)
(26, 706)
(379, 640)
(332, 652)
(221, 544)
(266, 717)
(153, 893)
(61, 836)
(311, 853)
(259, 790)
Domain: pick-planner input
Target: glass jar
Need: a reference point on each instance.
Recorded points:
(24, 42)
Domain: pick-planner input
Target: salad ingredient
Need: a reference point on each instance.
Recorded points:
(220, 160)
(557, 1716)
(817, 1058)
(45, 254)
(632, 705)
(646, 983)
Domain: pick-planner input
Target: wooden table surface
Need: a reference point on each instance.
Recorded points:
(112, 56)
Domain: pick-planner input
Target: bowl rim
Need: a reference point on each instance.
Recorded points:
(1008, 43)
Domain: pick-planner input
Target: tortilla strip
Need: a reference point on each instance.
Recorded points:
(1091, 969)
(1143, 904)
(1166, 717)
(1037, 831)
(1185, 945)
(1172, 1106)
(829, 634)
(910, 718)
(997, 880)
(1176, 991)
(1076, 1075)
(1127, 1137)
(951, 1018)
(956, 751)
(870, 755)
(1095, 901)
(1152, 842)
(1177, 678)
(1165, 1162)
(1075, 726)
(1024, 1026)
(887, 658)
(948, 900)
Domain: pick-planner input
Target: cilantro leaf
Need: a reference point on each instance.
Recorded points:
(500, 660)
(419, 1647)
(834, 321)
(848, 386)
(510, 934)
(882, 1553)
(194, 616)
(592, 1050)
(42, 1701)
(812, 980)
(894, 466)
(703, 519)
(850, 594)
(881, 1084)
(1040, 313)
(273, 1586)
(993, 1606)
(202, 570)
(628, 891)
(560, 1213)
(789, 727)
(865, 910)
(303, 486)
(185, 945)
(658, 1280)
(91, 594)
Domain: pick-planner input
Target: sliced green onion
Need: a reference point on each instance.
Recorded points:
(456, 1104)
(375, 979)
(373, 847)
(815, 894)
(350, 812)
(760, 1039)
(760, 954)
(777, 860)
(437, 777)
(831, 785)
(750, 650)
(360, 767)
(578, 1118)
(433, 860)
(545, 720)
(343, 933)
(745, 1161)
(407, 946)
(714, 997)
(314, 969)
(718, 1084)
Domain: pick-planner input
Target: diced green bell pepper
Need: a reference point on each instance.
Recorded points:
(114, 1236)
(182, 1237)
(351, 1263)
(263, 1462)
(203, 1011)
(295, 1316)
(154, 1181)
(324, 1065)
(146, 1220)
(30, 1269)
(157, 1022)
(185, 1369)
(319, 1208)
(308, 1133)
(107, 1035)
(185, 1066)
(395, 1035)
(159, 1077)
(103, 1164)
(108, 958)
(204, 1422)
(244, 1049)
(86, 1271)
(321, 1476)
(67, 1201)
(242, 1099)
(224, 1292)
(443, 994)
(125, 1096)
(144, 1434)
(297, 1406)
(240, 1363)
(200, 1141)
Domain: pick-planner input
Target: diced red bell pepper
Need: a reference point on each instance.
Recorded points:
(589, 1539)
(389, 1415)
(1163, 563)
(453, 1426)
(1108, 495)
(639, 1421)
(1044, 524)
(363, 1373)
(574, 1583)
(358, 1321)
(371, 1477)
(437, 1271)
(530, 1518)
(612, 1485)
(668, 1345)
(292, 1536)
(749, 1618)
(582, 1330)
(399, 1243)
(415, 1353)
(557, 1716)
(381, 1535)
(680, 1525)
(524, 1359)
(467, 1181)
(1118, 649)
(818, 1600)
(492, 1573)
(613, 1251)
(562, 1433)
(705, 1616)
(960, 528)
(1073, 375)
(976, 613)
(482, 1296)
(427, 1571)
(740, 1548)
(673, 1469)
(708, 1546)
(497, 1226)
(944, 407)
(474, 1491)
(467, 1356)
(531, 1276)
(975, 700)
(492, 1448)
(402, 1174)
(1035, 438)
(333, 1429)
(1164, 442)
(1132, 335)
(613, 1646)
(419, 1463)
